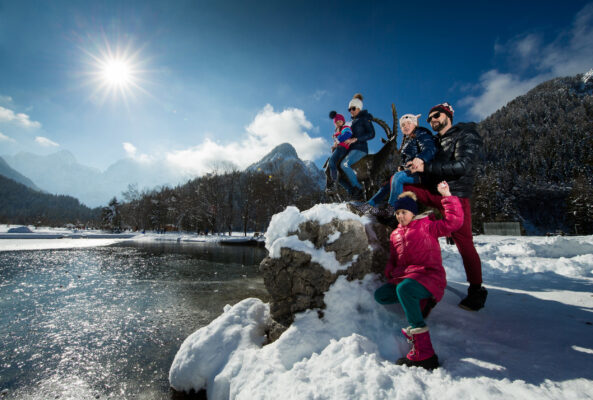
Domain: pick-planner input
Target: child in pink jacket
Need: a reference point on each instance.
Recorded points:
(415, 270)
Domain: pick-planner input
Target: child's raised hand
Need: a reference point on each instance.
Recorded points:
(443, 189)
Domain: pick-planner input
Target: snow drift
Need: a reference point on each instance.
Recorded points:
(533, 339)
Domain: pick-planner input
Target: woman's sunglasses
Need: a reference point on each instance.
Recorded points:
(352, 109)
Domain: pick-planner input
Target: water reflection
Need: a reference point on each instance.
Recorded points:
(107, 322)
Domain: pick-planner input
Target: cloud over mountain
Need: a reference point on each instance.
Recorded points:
(533, 62)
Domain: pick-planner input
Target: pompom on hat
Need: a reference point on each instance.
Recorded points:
(356, 102)
(406, 201)
(443, 107)
(336, 117)
(409, 117)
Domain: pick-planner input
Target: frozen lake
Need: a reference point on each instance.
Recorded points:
(106, 322)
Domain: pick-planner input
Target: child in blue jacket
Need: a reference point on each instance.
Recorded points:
(418, 147)
(342, 133)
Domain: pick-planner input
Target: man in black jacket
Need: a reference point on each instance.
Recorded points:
(458, 149)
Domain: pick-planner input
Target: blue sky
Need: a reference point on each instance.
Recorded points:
(226, 81)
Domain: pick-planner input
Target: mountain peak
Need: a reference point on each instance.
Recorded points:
(284, 158)
(284, 151)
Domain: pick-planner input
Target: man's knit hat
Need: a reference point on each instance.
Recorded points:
(443, 107)
(409, 117)
(356, 101)
(406, 201)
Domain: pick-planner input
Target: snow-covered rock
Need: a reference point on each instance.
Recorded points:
(309, 250)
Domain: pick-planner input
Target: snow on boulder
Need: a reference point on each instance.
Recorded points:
(308, 250)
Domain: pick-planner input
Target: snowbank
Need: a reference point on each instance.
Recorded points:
(533, 339)
(349, 353)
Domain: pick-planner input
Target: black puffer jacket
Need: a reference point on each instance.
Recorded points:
(421, 145)
(456, 160)
(362, 130)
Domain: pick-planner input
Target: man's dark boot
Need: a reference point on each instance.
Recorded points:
(476, 298)
(357, 194)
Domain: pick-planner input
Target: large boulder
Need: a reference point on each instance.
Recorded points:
(308, 251)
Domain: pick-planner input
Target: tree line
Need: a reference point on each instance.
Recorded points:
(217, 202)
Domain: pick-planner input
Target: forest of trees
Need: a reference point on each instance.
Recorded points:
(538, 159)
(20, 204)
(218, 202)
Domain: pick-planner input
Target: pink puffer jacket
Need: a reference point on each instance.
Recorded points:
(415, 249)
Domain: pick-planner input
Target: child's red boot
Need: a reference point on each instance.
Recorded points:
(422, 353)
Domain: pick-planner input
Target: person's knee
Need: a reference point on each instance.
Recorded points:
(398, 179)
(382, 297)
(403, 289)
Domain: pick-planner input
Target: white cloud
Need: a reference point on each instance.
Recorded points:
(570, 53)
(130, 149)
(132, 152)
(5, 99)
(497, 90)
(318, 95)
(7, 115)
(268, 129)
(4, 138)
(45, 142)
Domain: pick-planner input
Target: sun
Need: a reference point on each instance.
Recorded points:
(116, 72)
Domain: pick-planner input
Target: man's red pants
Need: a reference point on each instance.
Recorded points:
(463, 237)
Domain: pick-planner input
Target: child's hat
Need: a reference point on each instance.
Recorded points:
(409, 117)
(406, 201)
(336, 117)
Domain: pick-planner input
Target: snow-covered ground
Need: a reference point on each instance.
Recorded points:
(534, 338)
(44, 238)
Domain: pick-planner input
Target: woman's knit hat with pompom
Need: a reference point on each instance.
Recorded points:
(356, 101)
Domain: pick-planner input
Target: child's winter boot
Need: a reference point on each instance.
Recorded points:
(422, 353)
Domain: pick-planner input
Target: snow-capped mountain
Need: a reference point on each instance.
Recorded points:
(10, 173)
(61, 173)
(284, 160)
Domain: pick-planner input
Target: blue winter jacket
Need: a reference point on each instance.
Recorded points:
(363, 130)
(421, 145)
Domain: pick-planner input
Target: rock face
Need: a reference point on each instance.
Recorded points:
(311, 255)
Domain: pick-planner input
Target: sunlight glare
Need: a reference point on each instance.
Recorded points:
(117, 72)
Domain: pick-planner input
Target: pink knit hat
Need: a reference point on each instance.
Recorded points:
(339, 117)
(336, 117)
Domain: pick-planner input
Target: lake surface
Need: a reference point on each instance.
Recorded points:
(107, 322)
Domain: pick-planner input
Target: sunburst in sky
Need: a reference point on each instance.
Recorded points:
(117, 73)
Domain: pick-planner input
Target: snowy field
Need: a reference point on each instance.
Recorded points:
(44, 238)
(534, 338)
